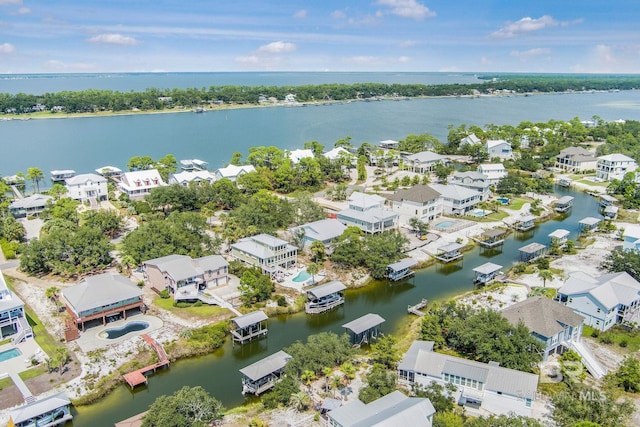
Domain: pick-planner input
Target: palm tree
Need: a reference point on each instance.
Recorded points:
(308, 376)
(349, 373)
(313, 269)
(545, 275)
(52, 294)
(336, 382)
(327, 371)
(299, 400)
(35, 175)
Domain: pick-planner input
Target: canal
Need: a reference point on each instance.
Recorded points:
(218, 372)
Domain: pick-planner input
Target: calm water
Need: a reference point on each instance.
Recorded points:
(218, 373)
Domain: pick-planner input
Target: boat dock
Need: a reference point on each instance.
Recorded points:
(415, 309)
(137, 377)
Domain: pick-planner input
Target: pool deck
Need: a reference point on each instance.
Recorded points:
(12, 367)
(90, 339)
(299, 286)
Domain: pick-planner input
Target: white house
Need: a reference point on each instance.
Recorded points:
(12, 317)
(189, 165)
(185, 178)
(424, 161)
(139, 183)
(576, 159)
(614, 166)
(603, 301)
(457, 200)
(419, 201)
(269, 253)
(296, 155)
(368, 213)
(30, 205)
(337, 153)
(87, 186)
(389, 143)
(470, 139)
(324, 230)
(394, 409)
(232, 172)
(499, 148)
(550, 322)
(487, 385)
(473, 181)
(494, 171)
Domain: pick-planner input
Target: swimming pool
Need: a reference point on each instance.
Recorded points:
(9, 354)
(480, 213)
(303, 276)
(445, 224)
(503, 200)
(113, 333)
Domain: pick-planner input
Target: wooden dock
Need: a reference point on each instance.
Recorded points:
(137, 377)
(415, 309)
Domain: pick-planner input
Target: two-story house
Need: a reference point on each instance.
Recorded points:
(187, 177)
(494, 172)
(424, 161)
(30, 205)
(473, 181)
(12, 317)
(550, 322)
(614, 166)
(184, 277)
(470, 139)
(499, 148)
(138, 184)
(232, 172)
(87, 186)
(267, 252)
(419, 201)
(603, 301)
(368, 213)
(296, 155)
(324, 230)
(457, 200)
(576, 160)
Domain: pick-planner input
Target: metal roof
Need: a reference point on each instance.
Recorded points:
(526, 218)
(589, 221)
(98, 291)
(564, 200)
(450, 247)
(494, 232)
(249, 319)
(487, 268)
(402, 264)
(542, 316)
(327, 289)
(39, 407)
(32, 201)
(364, 323)
(611, 209)
(418, 193)
(559, 233)
(266, 366)
(608, 198)
(466, 370)
(532, 248)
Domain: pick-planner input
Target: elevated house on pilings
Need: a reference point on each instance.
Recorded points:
(264, 374)
(324, 297)
(449, 252)
(563, 204)
(491, 238)
(559, 237)
(48, 412)
(532, 252)
(525, 223)
(486, 273)
(401, 269)
(610, 212)
(249, 326)
(587, 224)
(364, 329)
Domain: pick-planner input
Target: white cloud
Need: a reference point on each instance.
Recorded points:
(408, 43)
(6, 48)
(528, 25)
(404, 59)
(118, 39)
(10, 2)
(525, 54)
(338, 14)
(407, 9)
(277, 47)
(301, 14)
(22, 11)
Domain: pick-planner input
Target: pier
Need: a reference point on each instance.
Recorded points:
(449, 252)
(137, 377)
(415, 309)
(250, 326)
(491, 238)
(401, 269)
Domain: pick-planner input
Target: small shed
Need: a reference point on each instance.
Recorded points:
(249, 326)
(486, 273)
(264, 374)
(364, 329)
(525, 223)
(610, 212)
(491, 238)
(324, 297)
(607, 200)
(401, 269)
(563, 204)
(50, 411)
(532, 252)
(589, 223)
(559, 236)
(449, 252)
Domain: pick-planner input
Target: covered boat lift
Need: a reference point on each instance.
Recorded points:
(264, 374)
(532, 252)
(50, 411)
(486, 273)
(449, 252)
(589, 223)
(559, 236)
(401, 269)
(324, 297)
(607, 200)
(563, 204)
(525, 223)
(249, 326)
(364, 329)
(491, 238)
(610, 212)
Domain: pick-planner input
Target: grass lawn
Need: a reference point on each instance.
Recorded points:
(615, 336)
(5, 382)
(625, 215)
(33, 372)
(517, 203)
(204, 311)
(593, 184)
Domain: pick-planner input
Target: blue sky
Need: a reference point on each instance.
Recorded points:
(591, 36)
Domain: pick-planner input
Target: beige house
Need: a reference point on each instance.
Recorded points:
(576, 160)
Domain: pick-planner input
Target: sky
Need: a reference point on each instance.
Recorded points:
(89, 36)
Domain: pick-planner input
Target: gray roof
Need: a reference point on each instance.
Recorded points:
(498, 379)
(564, 200)
(402, 264)
(211, 262)
(456, 192)
(266, 366)
(394, 409)
(260, 245)
(609, 290)
(532, 248)
(426, 157)
(364, 323)
(371, 216)
(269, 240)
(39, 407)
(249, 319)
(611, 209)
(616, 157)
(559, 233)
(589, 221)
(575, 151)
(100, 290)
(476, 176)
(365, 201)
(608, 198)
(494, 232)
(182, 267)
(330, 404)
(542, 316)
(418, 193)
(32, 201)
(83, 178)
(487, 268)
(526, 218)
(327, 289)
(322, 230)
(450, 247)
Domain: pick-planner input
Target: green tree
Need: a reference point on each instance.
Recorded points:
(11, 229)
(581, 403)
(138, 163)
(619, 260)
(308, 377)
(442, 171)
(317, 251)
(57, 190)
(545, 275)
(313, 269)
(174, 197)
(187, 407)
(627, 376)
(380, 382)
(111, 223)
(255, 286)
(361, 167)
(441, 396)
(236, 158)
(300, 400)
(385, 352)
(320, 350)
(36, 176)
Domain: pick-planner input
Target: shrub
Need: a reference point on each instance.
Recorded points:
(606, 338)
(197, 303)
(164, 294)
(595, 333)
(281, 300)
(623, 343)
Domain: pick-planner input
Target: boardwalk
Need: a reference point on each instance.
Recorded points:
(137, 377)
(415, 309)
(24, 390)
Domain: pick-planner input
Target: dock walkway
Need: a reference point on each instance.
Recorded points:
(137, 377)
(415, 309)
(24, 390)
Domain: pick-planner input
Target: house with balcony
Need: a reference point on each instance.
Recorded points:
(138, 184)
(603, 301)
(473, 181)
(423, 162)
(232, 172)
(499, 148)
(576, 160)
(324, 230)
(457, 200)
(419, 201)
(494, 172)
(269, 253)
(187, 177)
(614, 166)
(185, 277)
(368, 213)
(13, 321)
(488, 386)
(87, 186)
(553, 324)
(30, 205)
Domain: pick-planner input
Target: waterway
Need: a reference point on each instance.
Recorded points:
(218, 372)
